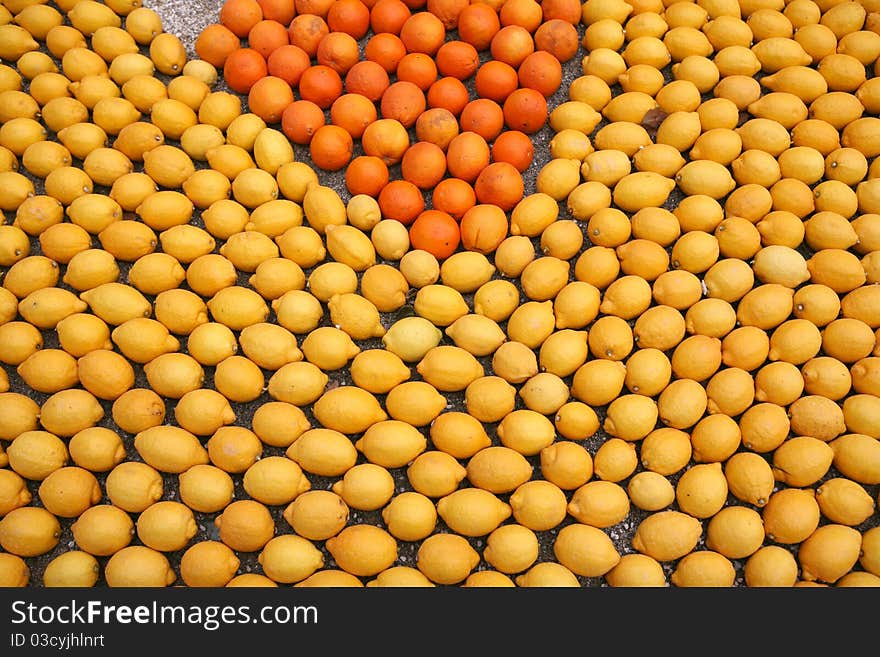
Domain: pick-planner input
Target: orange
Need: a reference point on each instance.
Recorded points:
(282, 11)
(401, 200)
(515, 147)
(288, 63)
(525, 13)
(353, 113)
(331, 147)
(501, 184)
(368, 79)
(317, 7)
(435, 232)
(453, 196)
(266, 36)
(448, 93)
(403, 101)
(306, 31)
(511, 45)
(495, 80)
(242, 68)
(349, 16)
(457, 59)
(567, 10)
(437, 125)
(477, 24)
(423, 164)
(389, 16)
(321, 85)
(269, 97)
(385, 49)
(540, 71)
(423, 32)
(214, 44)
(558, 37)
(483, 227)
(387, 139)
(525, 110)
(366, 174)
(447, 11)
(300, 120)
(339, 51)
(483, 116)
(467, 155)
(240, 16)
(418, 68)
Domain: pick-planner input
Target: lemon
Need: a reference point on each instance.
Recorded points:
(138, 565)
(208, 563)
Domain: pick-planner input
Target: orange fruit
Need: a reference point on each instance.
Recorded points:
(288, 63)
(389, 16)
(317, 7)
(495, 80)
(418, 68)
(483, 116)
(558, 37)
(366, 174)
(242, 68)
(269, 97)
(423, 164)
(401, 200)
(423, 32)
(214, 44)
(457, 59)
(331, 147)
(515, 147)
(353, 113)
(403, 101)
(567, 10)
(511, 45)
(483, 227)
(240, 16)
(368, 79)
(525, 110)
(300, 120)
(339, 51)
(467, 155)
(266, 36)
(501, 184)
(321, 85)
(385, 49)
(540, 71)
(387, 139)
(437, 125)
(435, 232)
(448, 93)
(282, 11)
(477, 24)
(349, 16)
(447, 11)
(525, 13)
(306, 31)
(453, 196)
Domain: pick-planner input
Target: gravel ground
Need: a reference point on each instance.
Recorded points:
(186, 19)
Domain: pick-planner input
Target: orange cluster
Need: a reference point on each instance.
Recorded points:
(389, 75)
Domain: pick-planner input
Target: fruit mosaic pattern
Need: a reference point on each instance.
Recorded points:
(313, 303)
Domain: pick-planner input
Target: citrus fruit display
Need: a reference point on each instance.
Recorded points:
(440, 293)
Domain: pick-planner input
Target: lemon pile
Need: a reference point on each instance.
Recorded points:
(669, 371)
